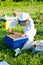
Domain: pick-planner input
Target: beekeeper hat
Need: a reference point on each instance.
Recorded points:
(23, 16)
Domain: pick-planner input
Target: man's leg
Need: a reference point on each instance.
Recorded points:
(27, 45)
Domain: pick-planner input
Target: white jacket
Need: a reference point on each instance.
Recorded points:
(29, 30)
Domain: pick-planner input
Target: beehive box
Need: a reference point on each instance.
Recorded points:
(15, 41)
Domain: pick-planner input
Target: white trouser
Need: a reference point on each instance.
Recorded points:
(26, 46)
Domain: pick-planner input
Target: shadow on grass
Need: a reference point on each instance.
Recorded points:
(40, 33)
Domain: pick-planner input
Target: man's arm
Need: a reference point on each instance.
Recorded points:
(13, 23)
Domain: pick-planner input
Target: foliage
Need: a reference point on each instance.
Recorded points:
(22, 0)
(26, 57)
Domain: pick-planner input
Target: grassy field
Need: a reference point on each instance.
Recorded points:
(26, 57)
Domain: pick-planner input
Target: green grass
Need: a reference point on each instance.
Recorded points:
(26, 57)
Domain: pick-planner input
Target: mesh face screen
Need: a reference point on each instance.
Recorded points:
(24, 23)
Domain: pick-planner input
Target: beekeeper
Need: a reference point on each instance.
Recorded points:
(27, 24)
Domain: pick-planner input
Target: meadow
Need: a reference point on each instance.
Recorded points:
(26, 57)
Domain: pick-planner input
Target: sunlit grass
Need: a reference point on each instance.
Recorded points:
(26, 57)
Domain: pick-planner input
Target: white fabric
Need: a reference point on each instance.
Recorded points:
(13, 23)
(27, 45)
(29, 30)
(3, 63)
(23, 16)
(7, 17)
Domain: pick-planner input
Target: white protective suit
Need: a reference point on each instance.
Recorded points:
(29, 31)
